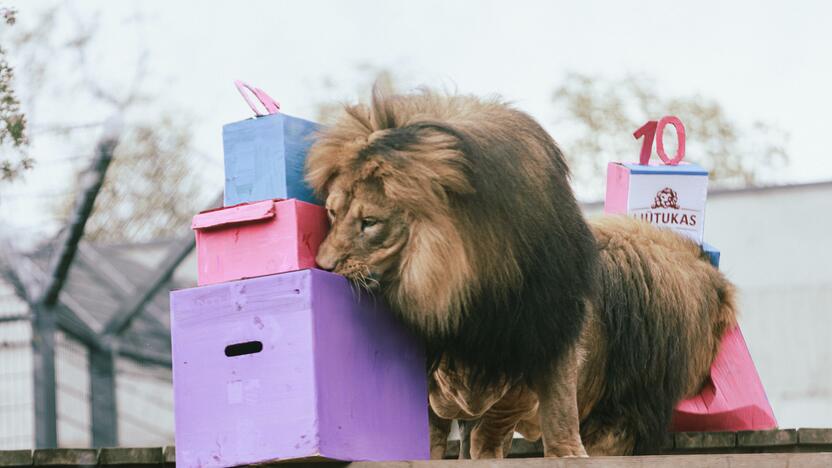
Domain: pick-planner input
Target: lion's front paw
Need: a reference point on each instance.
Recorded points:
(567, 451)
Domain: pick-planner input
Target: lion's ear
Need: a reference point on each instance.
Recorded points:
(424, 179)
(321, 170)
(329, 157)
(437, 158)
(450, 174)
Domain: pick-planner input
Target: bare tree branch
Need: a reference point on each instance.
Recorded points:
(86, 32)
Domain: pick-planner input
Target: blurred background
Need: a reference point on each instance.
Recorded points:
(137, 93)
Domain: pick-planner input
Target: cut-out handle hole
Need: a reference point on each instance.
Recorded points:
(240, 349)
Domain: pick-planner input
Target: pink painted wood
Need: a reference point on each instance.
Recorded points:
(733, 399)
(263, 238)
(680, 136)
(648, 131)
(655, 130)
(618, 189)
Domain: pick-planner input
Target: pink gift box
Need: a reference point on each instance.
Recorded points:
(733, 399)
(257, 239)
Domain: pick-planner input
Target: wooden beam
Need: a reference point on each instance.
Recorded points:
(20, 272)
(144, 293)
(144, 356)
(45, 307)
(91, 182)
(103, 408)
(16, 318)
(43, 369)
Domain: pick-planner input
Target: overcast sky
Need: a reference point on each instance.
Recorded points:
(761, 60)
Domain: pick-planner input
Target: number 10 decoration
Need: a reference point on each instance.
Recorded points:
(656, 129)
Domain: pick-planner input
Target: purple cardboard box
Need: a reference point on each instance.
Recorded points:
(290, 367)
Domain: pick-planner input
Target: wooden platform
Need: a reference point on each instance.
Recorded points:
(766, 449)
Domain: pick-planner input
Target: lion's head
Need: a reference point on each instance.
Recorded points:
(388, 190)
(459, 211)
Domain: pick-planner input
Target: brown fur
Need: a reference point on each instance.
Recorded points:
(679, 292)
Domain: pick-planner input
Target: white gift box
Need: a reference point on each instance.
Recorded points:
(670, 196)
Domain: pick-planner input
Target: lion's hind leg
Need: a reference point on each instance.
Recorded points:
(607, 440)
(493, 433)
(440, 428)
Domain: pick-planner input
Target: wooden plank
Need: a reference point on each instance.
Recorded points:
(773, 438)
(759, 460)
(705, 440)
(13, 458)
(812, 436)
(122, 456)
(65, 457)
(170, 455)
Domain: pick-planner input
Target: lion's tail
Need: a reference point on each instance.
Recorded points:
(663, 310)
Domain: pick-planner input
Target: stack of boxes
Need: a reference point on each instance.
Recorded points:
(275, 360)
(673, 196)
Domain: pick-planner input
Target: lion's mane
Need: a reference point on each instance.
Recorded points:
(499, 261)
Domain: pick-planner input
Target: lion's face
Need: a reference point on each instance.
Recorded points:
(664, 198)
(367, 235)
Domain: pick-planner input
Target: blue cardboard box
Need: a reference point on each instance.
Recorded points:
(712, 253)
(264, 158)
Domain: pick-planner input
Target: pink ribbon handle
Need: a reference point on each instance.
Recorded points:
(272, 106)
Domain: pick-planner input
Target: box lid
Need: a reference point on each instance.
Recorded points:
(238, 214)
(680, 169)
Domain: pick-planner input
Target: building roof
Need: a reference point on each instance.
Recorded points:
(722, 192)
(101, 279)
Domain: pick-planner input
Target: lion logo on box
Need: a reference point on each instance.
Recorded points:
(666, 198)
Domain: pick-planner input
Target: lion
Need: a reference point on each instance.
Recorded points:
(459, 212)
(666, 198)
(651, 337)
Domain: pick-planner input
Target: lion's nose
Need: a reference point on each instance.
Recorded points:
(325, 259)
(325, 263)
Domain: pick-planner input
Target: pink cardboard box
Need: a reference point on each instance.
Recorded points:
(257, 239)
(295, 366)
(664, 195)
(733, 399)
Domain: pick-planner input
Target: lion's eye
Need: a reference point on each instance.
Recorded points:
(368, 223)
